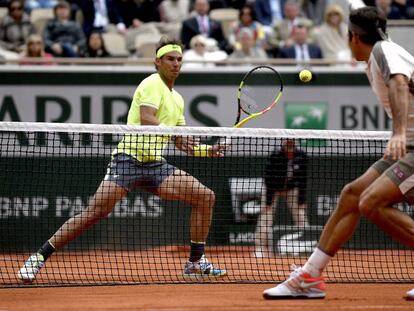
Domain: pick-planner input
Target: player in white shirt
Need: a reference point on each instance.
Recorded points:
(390, 70)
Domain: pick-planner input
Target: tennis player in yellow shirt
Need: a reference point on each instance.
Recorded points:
(137, 162)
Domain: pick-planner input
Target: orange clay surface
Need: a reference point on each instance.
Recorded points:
(201, 297)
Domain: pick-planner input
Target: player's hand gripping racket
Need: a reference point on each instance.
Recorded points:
(259, 91)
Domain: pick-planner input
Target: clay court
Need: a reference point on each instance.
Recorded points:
(75, 268)
(201, 297)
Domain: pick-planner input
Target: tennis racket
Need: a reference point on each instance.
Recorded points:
(259, 91)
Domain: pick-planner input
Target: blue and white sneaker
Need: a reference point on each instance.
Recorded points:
(202, 269)
(31, 268)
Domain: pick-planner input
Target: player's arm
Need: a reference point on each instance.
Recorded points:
(148, 115)
(192, 146)
(399, 98)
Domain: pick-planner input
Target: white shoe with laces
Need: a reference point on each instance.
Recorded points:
(299, 285)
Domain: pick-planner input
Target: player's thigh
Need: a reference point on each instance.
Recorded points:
(356, 187)
(395, 184)
(184, 187)
(105, 198)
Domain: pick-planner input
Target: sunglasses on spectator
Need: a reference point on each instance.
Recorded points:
(35, 42)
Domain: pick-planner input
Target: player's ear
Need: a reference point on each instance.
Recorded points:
(157, 62)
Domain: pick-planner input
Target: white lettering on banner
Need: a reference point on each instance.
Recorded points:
(241, 237)
(326, 205)
(66, 206)
(150, 208)
(246, 196)
(19, 207)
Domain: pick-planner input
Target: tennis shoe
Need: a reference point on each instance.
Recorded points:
(202, 269)
(31, 268)
(410, 295)
(299, 285)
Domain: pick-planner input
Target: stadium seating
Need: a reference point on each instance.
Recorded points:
(39, 18)
(226, 16)
(115, 44)
(145, 31)
(145, 44)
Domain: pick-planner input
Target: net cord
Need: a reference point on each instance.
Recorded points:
(196, 131)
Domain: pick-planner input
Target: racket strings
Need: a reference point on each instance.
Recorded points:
(259, 90)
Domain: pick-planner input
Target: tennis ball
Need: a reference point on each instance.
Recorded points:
(305, 75)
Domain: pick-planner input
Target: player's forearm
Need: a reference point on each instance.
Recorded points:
(399, 105)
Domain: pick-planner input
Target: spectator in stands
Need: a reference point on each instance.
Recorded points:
(269, 12)
(29, 5)
(247, 19)
(15, 28)
(390, 9)
(4, 3)
(409, 9)
(136, 13)
(248, 49)
(172, 15)
(199, 52)
(332, 35)
(314, 10)
(284, 177)
(99, 14)
(63, 37)
(200, 23)
(282, 34)
(35, 48)
(95, 46)
(174, 11)
(301, 50)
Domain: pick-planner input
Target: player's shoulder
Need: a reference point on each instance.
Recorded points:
(387, 49)
(151, 79)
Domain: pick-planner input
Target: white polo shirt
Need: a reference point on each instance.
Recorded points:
(388, 58)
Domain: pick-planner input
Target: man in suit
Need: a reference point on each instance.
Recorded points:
(282, 31)
(98, 14)
(301, 50)
(200, 23)
(269, 12)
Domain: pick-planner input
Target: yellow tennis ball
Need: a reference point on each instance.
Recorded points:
(305, 75)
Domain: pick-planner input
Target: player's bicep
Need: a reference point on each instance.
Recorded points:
(148, 115)
(398, 86)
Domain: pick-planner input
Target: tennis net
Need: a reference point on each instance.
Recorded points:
(49, 172)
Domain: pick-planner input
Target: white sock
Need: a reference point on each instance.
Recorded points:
(316, 263)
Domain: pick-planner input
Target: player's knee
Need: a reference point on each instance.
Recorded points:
(210, 198)
(368, 205)
(350, 192)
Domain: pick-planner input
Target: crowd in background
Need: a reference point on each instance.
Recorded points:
(293, 29)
